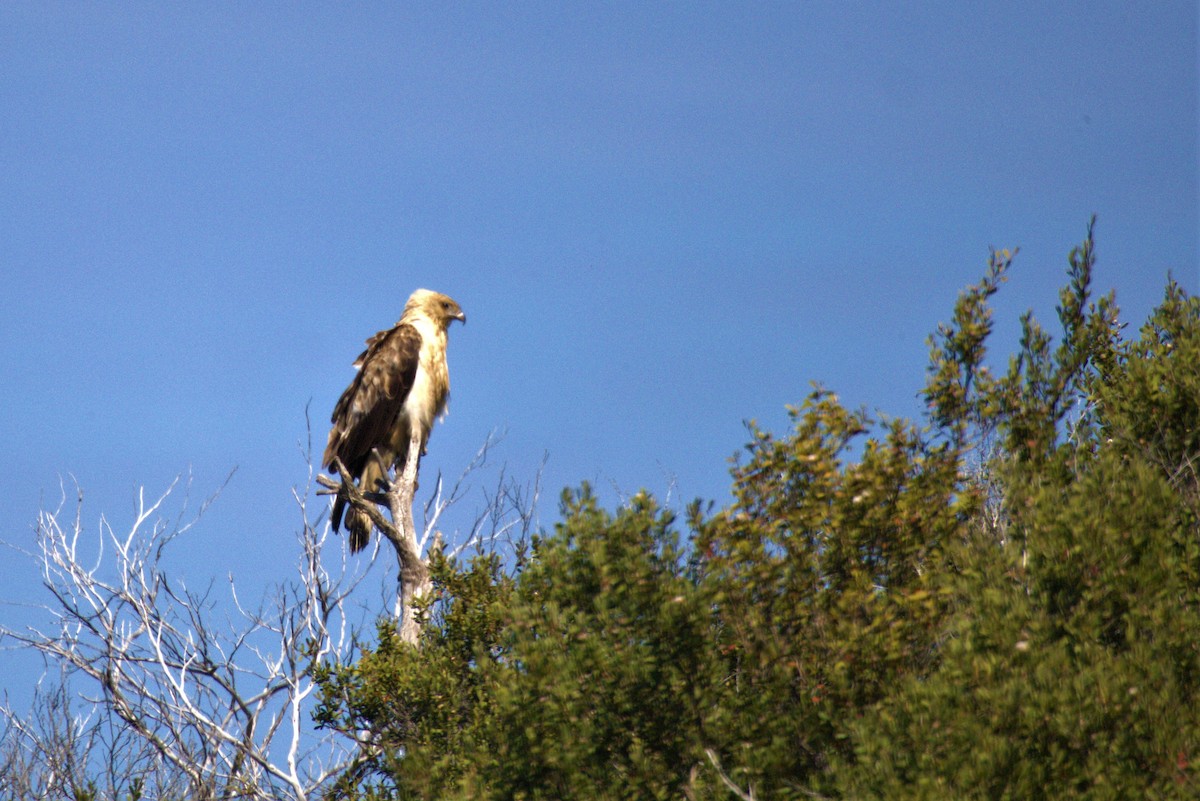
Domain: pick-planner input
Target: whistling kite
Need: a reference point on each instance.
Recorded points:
(402, 385)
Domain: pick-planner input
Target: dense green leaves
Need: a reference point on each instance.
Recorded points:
(420, 713)
(1002, 604)
(819, 577)
(603, 688)
(1070, 670)
(582, 678)
(1147, 399)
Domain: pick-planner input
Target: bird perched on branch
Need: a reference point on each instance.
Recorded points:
(402, 386)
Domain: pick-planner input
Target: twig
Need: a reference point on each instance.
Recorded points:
(728, 782)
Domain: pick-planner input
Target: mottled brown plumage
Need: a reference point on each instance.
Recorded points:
(402, 382)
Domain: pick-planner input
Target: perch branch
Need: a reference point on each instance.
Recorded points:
(400, 531)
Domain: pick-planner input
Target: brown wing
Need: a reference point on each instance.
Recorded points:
(368, 410)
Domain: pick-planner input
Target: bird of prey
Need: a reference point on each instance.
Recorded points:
(402, 386)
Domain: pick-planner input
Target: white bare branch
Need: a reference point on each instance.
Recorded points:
(744, 795)
(203, 707)
(169, 690)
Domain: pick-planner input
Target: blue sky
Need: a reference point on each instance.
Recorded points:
(661, 219)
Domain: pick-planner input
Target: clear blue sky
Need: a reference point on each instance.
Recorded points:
(661, 219)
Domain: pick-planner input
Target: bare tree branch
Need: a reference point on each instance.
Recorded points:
(167, 690)
(223, 708)
(745, 795)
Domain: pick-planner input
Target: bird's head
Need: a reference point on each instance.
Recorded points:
(440, 308)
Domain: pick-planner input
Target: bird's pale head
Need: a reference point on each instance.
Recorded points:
(440, 308)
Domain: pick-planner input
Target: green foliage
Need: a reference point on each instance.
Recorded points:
(1002, 604)
(605, 678)
(580, 678)
(422, 711)
(1148, 397)
(819, 575)
(1069, 668)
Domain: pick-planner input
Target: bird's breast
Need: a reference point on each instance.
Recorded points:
(431, 386)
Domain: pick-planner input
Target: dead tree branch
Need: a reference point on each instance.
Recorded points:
(218, 708)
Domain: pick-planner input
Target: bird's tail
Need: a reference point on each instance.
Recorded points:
(359, 522)
(339, 506)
